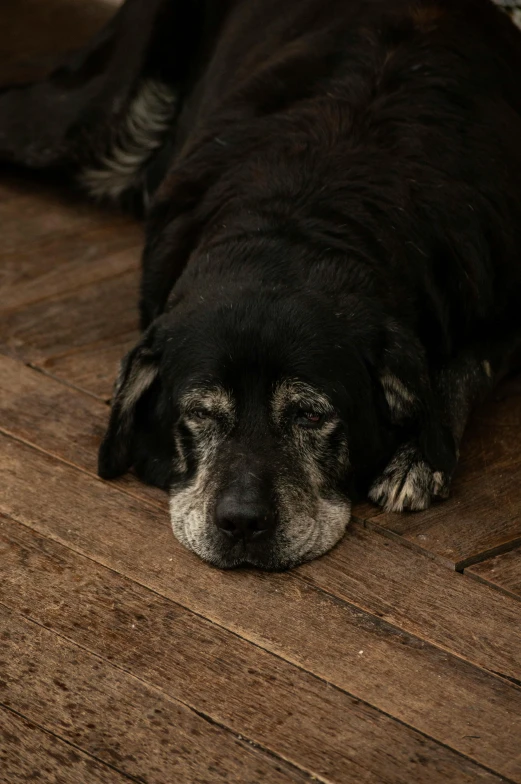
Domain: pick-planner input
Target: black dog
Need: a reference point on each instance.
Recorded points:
(332, 273)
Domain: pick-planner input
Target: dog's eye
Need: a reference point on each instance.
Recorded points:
(306, 418)
(200, 413)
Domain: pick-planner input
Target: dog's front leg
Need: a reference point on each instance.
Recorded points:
(422, 467)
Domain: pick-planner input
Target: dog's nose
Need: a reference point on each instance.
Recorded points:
(243, 519)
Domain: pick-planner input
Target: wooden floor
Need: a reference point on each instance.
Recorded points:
(394, 659)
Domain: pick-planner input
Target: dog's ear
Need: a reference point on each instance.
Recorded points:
(139, 371)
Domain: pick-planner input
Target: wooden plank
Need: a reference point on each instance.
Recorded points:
(503, 571)
(75, 268)
(52, 211)
(61, 244)
(94, 367)
(119, 720)
(238, 685)
(423, 598)
(396, 584)
(92, 267)
(60, 420)
(442, 696)
(27, 753)
(474, 525)
(75, 330)
(489, 442)
(72, 319)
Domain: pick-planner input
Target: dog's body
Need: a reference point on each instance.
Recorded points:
(332, 273)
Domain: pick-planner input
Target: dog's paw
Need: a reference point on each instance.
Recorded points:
(408, 482)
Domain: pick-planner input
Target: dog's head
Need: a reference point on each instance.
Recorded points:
(252, 414)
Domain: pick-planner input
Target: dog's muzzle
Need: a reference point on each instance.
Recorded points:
(244, 511)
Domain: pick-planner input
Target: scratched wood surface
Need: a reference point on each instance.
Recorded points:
(395, 658)
(503, 571)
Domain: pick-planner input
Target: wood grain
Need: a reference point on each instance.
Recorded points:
(27, 753)
(449, 700)
(74, 268)
(476, 524)
(490, 439)
(75, 332)
(60, 420)
(503, 571)
(62, 243)
(116, 718)
(423, 598)
(238, 685)
(93, 367)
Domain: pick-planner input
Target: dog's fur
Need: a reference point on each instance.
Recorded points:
(332, 272)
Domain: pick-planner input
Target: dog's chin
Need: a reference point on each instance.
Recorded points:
(241, 556)
(279, 553)
(217, 551)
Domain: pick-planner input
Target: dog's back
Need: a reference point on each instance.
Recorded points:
(388, 131)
